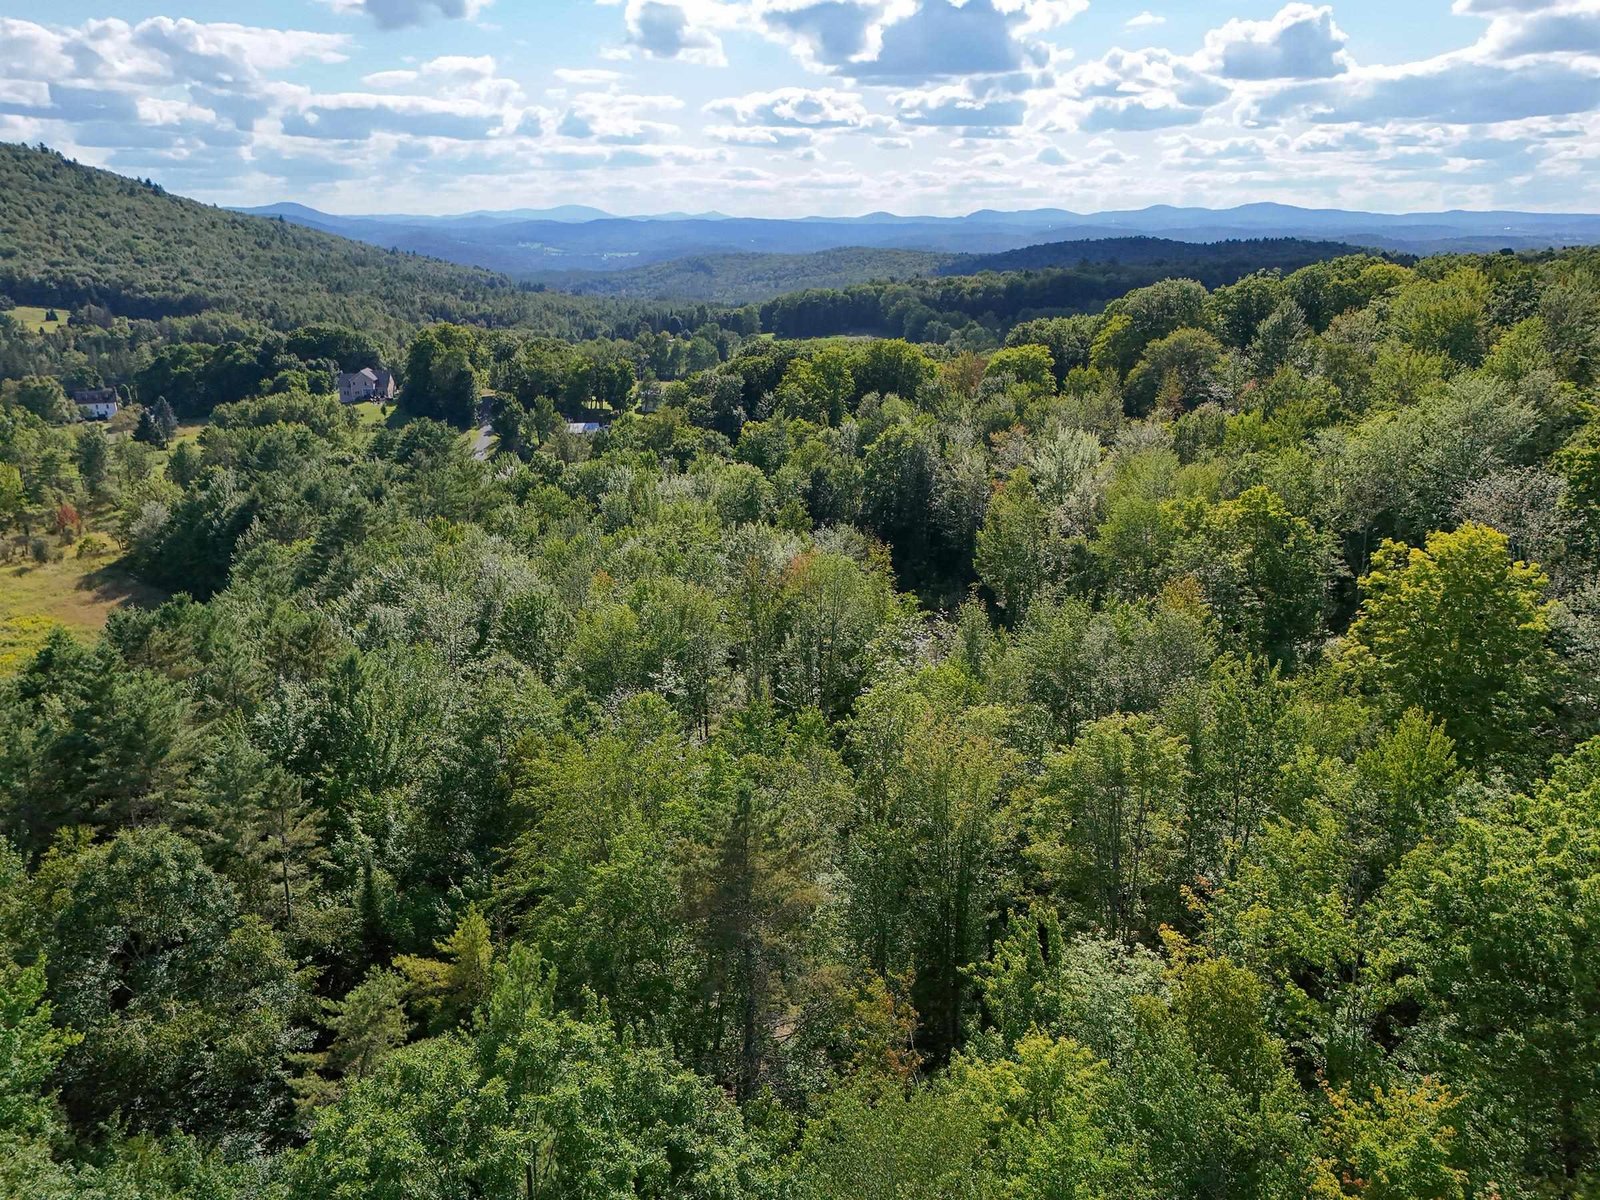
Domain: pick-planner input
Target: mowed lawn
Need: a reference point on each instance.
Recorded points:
(371, 414)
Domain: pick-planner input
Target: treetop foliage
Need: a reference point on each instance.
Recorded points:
(1155, 757)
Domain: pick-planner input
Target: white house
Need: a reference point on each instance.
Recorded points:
(96, 404)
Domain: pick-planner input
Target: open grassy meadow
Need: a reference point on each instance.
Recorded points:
(36, 320)
(77, 590)
(75, 593)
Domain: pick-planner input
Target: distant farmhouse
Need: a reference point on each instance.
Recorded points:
(366, 384)
(584, 428)
(96, 404)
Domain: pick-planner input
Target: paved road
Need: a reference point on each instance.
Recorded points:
(480, 447)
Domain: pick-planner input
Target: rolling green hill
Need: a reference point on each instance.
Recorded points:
(72, 236)
(1233, 258)
(1120, 263)
(751, 278)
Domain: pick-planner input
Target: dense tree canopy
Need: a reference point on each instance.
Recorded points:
(1157, 758)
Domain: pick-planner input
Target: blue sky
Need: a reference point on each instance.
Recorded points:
(795, 107)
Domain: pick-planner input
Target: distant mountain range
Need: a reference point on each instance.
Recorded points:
(547, 243)
(564, 214)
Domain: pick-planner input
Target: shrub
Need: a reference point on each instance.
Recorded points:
(95, 545)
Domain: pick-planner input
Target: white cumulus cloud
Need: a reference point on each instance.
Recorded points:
(397, 14)
(1300, 42)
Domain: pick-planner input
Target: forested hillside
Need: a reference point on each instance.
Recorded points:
(1215, 263)
(75, 237)
(1118, 264)
(1155, 758)
(748, 278)
(973, 303)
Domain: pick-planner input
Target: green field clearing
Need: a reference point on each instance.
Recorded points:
(71, 592)
(371, 414)
(33, 319)
(75, 593)
(188, 431)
